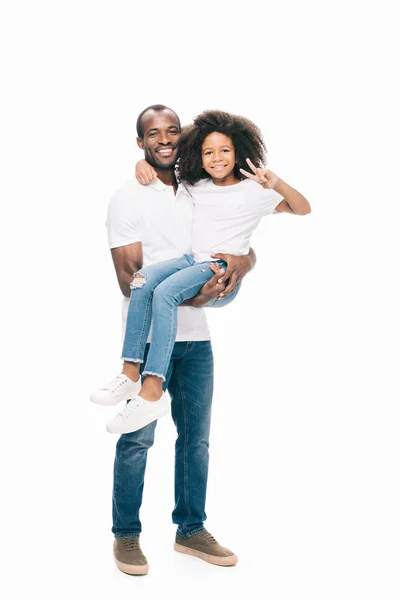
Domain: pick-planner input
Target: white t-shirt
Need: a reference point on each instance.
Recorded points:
(162, 222)
(226, 216)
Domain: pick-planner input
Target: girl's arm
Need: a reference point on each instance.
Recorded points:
(144, 172)
(293, 202)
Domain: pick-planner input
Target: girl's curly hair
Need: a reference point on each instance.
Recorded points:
(245, 135)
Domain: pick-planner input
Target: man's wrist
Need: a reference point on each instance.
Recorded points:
(199, 301)
(193, 302)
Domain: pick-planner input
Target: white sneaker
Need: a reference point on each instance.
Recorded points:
(119, 389)
(138, 413)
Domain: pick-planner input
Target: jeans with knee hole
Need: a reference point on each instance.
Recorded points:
(189, 381)
(155, 297)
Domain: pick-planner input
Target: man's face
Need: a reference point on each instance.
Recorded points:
(160, 138)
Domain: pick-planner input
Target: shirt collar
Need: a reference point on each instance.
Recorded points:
(159, 186)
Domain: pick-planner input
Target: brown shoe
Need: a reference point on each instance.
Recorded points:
(129, 556)
(205, 546)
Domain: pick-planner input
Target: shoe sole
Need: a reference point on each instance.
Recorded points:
(132, 569)
(141, 424)
(221, 561)
(107, 403)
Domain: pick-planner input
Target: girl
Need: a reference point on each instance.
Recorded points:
(229, 203)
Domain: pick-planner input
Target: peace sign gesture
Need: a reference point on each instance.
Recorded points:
(264, 177)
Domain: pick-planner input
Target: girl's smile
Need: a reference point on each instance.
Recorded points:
(218, 158)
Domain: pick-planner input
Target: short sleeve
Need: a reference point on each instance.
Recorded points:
(269, 201)
(123, 218)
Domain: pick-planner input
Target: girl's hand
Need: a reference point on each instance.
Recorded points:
(264, 177)
(215, 268)
(144, 173)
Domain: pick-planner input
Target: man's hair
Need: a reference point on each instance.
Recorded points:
(157, 108)
(245, 135)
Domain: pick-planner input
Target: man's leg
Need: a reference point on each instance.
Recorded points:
(191, 389)
(129, 470)
(190, 384)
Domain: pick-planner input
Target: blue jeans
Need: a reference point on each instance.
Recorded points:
(155, 297)
(189, 381)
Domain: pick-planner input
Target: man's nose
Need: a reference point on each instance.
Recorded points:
(164, 139)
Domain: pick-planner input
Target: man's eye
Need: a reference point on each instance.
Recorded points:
(152, 134)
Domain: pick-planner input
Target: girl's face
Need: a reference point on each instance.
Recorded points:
(218, 158)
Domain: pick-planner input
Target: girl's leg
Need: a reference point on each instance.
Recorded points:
(225, 300)
(166, 298)
(140, 311)
(137, 328)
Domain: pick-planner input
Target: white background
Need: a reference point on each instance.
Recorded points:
(304, 476)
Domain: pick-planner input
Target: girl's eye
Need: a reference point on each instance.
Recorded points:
(208, 152)
(225, 150)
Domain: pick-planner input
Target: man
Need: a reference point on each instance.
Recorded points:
(148, 224)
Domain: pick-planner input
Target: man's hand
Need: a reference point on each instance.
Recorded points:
(216, 287)
(209, 291)
(144, 172)
(237, 268)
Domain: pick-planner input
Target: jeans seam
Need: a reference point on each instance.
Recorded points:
(185, 476)
(140, 346)
(117, 474)
(171, 343)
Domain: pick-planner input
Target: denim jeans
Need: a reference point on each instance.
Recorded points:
(155, 297)
(190, 384)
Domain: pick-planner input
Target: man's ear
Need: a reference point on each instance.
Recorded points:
(140, 143)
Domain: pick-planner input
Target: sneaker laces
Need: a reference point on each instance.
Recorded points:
(130, 543)
(208, 537)
(116, 383)
(129, 408)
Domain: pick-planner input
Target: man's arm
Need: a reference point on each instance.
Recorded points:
(127, 260)
(223, 283)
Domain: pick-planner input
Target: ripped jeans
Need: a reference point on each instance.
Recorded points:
(155, 297)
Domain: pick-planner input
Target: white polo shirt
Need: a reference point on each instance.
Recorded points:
(226, 216)
(162, 222)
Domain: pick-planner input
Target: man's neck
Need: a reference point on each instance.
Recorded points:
(167, 176)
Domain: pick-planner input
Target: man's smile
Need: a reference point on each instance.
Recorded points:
(166, 151)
